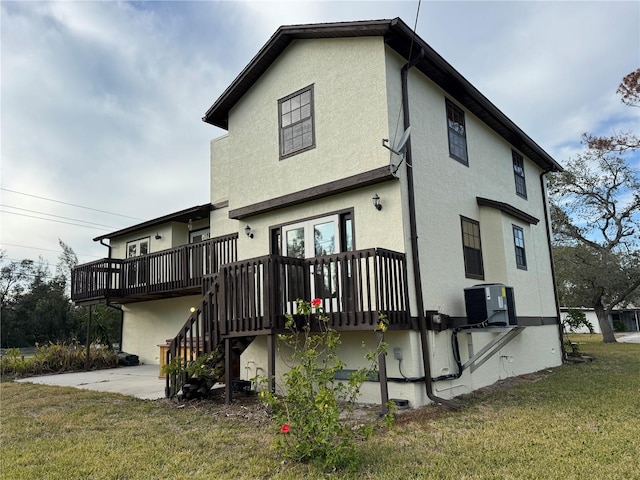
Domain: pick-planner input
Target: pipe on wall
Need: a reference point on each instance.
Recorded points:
(553, 268)
(424, 339)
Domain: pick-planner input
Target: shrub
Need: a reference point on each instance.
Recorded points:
(571, 323)
(313, 413)
(56, 358)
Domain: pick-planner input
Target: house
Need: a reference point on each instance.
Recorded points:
(320, 189)
(622, 319)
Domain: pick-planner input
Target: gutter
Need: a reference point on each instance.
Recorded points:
(404, 73)
(110, 305)
(553, 266)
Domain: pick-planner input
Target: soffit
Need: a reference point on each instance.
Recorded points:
(183, 216)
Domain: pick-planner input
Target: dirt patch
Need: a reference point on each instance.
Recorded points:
(250, 409)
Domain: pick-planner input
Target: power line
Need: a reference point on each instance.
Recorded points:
(57, 216)
(413, 37)
(71, 204)
(46, 249)
(52, 220)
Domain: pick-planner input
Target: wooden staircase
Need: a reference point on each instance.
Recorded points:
(199, 337)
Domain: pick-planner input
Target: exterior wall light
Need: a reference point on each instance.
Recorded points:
(192, 309)
(158, 236)
(247, 231)
(376, 202)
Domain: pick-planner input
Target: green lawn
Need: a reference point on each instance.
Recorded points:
(574, 422)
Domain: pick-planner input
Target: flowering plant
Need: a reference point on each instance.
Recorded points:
(314, 409)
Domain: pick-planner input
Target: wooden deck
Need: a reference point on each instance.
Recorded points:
(252, 297)
(168, 273)
(244, 299)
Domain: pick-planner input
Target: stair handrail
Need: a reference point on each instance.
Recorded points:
(200, 335)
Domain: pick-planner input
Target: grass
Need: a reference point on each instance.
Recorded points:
(578, 421)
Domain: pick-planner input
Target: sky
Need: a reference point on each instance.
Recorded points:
(101, 103)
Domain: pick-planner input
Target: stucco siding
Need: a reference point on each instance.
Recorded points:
(446, 189)
(534, 349)
(372, 228)
(220, 154)
(148, 324)
(349, 107)
(254, 363)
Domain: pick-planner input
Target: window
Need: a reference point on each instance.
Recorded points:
(518, 241)
(471, 248)
(457, 134)
(518, 173)
(296, 122)
(138, 247)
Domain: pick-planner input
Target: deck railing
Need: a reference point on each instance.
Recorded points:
(169, 270)
(252, 297)
(200, 335)
(354, 288)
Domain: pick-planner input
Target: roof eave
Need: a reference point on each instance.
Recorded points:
(194, 213)
(398, 35)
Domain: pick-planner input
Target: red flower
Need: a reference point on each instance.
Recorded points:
(285, 428)
(316, 302)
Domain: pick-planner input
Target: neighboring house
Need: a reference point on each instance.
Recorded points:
(306, 202)
(622, 320)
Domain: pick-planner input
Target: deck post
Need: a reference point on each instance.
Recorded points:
(87, 358)
(227, 371)
(271, 361)
(382, 373)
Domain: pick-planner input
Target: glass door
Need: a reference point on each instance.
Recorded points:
(313, 239)
(199, 253)
(137, 273)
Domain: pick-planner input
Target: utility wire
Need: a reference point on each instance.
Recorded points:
(71, 204)
(46, 249)
(415, 26)
(57, 216)
(52, 220)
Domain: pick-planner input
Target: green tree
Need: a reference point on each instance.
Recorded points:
(595, 212)
(14, 279)
(36, 306)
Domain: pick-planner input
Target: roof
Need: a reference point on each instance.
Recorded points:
(399, 37)
(193, 213)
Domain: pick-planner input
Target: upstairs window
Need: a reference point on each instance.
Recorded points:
(457, 133)
(296, 122)
(472, 250)
(518, 241)
(518, 173)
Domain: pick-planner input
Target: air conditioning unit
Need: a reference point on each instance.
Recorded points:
(491, 303)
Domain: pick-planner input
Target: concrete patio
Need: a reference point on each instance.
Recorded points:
(141, 381)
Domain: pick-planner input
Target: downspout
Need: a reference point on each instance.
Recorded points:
(553, 267)
(404, 72)
(108, 246)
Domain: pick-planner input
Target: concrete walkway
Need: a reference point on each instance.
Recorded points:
(141, 381)
(630, 338)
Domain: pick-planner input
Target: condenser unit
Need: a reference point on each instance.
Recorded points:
(490, 303)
